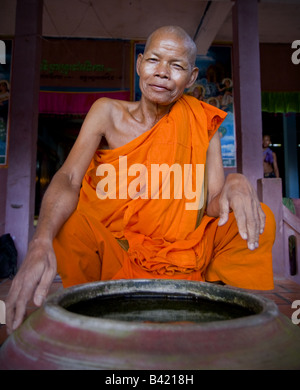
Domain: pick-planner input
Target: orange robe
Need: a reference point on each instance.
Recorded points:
(162, 235)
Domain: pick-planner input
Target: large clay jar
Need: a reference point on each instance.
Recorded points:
(154, 324)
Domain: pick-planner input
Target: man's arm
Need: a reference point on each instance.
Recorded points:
(233, 194)
(38, 269)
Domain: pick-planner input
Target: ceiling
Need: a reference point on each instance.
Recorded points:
(279, 20)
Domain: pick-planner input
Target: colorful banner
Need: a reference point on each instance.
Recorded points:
(76, 72)
(5, 74)
(214, 86)
(72, 103)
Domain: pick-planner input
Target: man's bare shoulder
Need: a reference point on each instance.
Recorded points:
(104, 114)
(106, 106)
(111, 114)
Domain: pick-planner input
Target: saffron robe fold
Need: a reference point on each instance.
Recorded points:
(161, 232)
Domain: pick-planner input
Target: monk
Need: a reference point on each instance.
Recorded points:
(155, 204)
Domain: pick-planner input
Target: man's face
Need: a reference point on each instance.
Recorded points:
(266, 141)
(165, 70)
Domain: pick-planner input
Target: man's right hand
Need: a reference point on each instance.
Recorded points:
(33, 280)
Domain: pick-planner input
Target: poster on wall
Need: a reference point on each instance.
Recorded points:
(213, 86)
(5, 72)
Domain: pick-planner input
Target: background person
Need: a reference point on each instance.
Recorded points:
(269, 159)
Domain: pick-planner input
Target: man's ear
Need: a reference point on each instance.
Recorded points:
(138, 63)
(193, 77)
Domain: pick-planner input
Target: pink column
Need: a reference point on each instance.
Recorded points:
(270, 193)
(3, 181)
(247, 89)
(23, 124)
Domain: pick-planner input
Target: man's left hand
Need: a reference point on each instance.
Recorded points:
(239, 196)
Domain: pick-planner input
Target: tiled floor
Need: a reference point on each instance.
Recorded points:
(284, 293)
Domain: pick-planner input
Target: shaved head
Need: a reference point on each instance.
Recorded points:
(178, 33)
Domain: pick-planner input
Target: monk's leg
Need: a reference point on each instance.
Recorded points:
(233, 263)
(86, 251)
